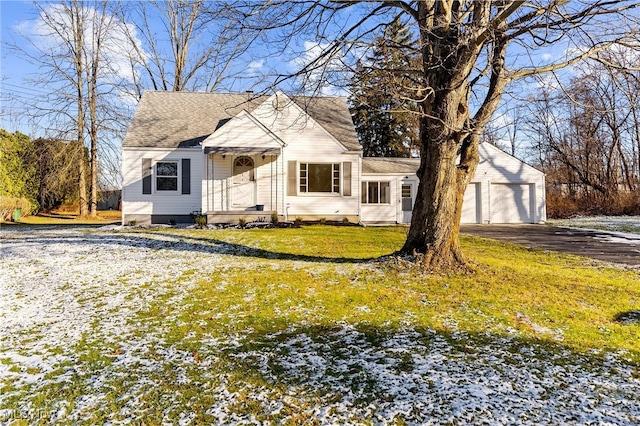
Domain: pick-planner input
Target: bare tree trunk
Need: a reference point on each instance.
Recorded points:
(435, 224)
(93, 134)
(78, 29)
(99, 26)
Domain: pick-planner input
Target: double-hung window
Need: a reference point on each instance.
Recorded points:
(167, 176)
(376, 193)
(320, 177)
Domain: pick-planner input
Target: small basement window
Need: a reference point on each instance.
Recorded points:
(167, 176)
(376, 193)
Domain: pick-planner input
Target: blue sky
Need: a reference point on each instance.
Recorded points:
(13, 69)
(255, 71)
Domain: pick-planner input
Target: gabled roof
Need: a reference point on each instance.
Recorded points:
(409, 166)
(185, 119)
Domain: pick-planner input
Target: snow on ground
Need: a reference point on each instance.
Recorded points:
(62, 287)
(627, 226)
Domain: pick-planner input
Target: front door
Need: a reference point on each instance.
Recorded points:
(243, 183)
(407, 202)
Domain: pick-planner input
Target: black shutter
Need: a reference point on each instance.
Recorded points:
(146, 175)
(186, 176)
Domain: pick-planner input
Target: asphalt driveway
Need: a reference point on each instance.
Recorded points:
(602, 245)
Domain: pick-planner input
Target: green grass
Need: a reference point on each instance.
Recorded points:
(321, 275)
(280, 291)
(307, 276)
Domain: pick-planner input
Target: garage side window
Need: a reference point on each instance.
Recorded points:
(376, 193)
(320, 177)
(167, 176)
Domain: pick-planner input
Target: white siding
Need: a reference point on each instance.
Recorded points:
(304, 142)
(384, 213)
(164, 202)
(308, 142)
(472, 204)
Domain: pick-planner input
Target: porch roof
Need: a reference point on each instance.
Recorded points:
(390, 165)
(239, 150)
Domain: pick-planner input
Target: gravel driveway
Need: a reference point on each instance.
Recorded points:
(615, 247)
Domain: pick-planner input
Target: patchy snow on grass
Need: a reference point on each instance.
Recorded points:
(70, 301)
(627, 226)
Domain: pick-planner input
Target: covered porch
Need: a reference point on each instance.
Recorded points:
(242, 184)
(243, 173)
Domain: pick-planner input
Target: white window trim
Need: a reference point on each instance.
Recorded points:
(366, 193)
(169, 192)
(320, 194)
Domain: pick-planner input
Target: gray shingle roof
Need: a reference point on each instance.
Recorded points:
(408, 166)
(184, 119)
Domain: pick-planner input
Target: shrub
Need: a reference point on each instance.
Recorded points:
(242, 222)
(201, 221)
(345, 220)
(274, 218)
(297, 222)
(9, 204)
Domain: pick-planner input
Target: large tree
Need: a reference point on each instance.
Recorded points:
(465, 68)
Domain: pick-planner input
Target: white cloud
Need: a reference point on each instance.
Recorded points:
(53, 28)
(323, 71)
(255, 66)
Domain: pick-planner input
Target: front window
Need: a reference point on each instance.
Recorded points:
(376, 193)
(167, 176)
(322, 177)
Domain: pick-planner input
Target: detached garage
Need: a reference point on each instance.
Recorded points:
(503, 190)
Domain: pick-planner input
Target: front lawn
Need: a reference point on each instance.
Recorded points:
(302, 326)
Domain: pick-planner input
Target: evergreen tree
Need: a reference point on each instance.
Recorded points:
(385, 124)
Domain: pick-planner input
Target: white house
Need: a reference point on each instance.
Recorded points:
(232, 156)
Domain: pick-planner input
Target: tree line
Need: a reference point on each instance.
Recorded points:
(586, 137)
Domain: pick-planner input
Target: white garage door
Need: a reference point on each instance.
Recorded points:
(471, 206)
(511, 203)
